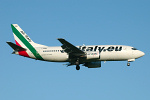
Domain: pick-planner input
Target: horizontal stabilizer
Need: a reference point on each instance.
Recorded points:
(15, 47)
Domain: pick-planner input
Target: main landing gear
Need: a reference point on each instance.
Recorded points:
(77, 67)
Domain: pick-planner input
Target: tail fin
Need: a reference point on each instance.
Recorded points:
(21, 38)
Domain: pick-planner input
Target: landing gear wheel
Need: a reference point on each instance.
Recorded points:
(77, 62)
(77, 67)
(128, 64)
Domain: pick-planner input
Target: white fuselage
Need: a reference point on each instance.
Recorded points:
(105, 52)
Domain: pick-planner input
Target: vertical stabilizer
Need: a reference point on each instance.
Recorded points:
(23, 40)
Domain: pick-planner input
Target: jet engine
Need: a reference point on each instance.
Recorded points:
(93, 64)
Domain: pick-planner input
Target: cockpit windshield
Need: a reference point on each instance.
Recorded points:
(134, 49)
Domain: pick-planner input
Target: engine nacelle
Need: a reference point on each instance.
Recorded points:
(93, 55)
(93, 64)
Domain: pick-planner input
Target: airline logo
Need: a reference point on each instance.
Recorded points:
(100, 49)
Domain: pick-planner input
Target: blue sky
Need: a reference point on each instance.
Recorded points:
(89, 22)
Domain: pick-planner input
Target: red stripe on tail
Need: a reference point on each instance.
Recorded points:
(22, 53)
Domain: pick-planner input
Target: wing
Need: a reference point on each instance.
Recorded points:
(71, 49)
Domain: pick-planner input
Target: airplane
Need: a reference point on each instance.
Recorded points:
(88, 55)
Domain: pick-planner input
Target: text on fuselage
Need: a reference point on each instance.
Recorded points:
(101, 48)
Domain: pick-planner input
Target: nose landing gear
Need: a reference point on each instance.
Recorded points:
(128, 64)
(130, 60)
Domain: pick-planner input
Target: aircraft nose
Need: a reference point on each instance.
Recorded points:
(138, 54)
(141, 53)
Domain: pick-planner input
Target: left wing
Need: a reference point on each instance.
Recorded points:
(71, 49)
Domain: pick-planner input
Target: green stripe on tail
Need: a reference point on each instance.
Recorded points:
(26, 43)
